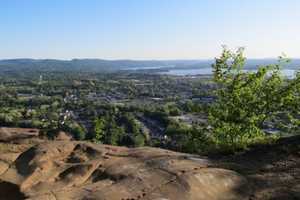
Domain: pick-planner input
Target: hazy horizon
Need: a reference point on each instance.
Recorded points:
(147, 30)
(129, 59)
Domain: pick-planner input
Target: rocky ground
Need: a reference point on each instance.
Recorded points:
(35, 168)
(273, 170)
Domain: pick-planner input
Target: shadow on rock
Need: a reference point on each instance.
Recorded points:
(10, 191)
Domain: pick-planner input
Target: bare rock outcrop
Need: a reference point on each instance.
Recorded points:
(17, 134)
(81, 170)
(32, 167)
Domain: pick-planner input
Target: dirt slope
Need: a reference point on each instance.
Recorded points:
(273, 170)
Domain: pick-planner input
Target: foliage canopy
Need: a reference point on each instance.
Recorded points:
(249, 102)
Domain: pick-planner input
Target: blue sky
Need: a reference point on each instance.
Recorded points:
(147, 29)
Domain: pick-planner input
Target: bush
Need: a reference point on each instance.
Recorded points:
(190, 139)
(77, 131)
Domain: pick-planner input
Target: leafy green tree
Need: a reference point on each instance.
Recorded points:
(197, 140)
(139, 140)
(247, 100)
(78, 132)
(114, 134)
(75, 129)
(10, 116)
(99, 129)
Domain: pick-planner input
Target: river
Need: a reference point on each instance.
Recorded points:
(290, 73)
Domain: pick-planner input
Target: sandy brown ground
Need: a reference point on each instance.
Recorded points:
(41, 169)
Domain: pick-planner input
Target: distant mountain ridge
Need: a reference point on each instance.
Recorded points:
(101, 65)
